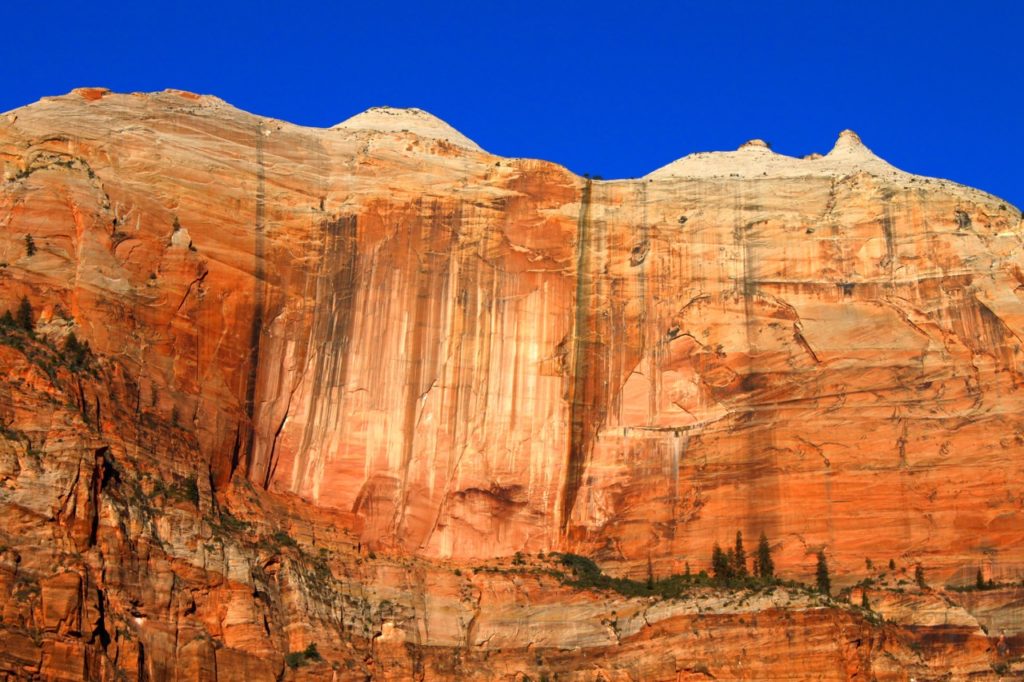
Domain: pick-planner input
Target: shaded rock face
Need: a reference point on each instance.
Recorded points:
(328, 365)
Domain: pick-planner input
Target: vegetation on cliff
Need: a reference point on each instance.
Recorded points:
(729, 572)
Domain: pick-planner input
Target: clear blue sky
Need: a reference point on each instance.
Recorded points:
(934, 87)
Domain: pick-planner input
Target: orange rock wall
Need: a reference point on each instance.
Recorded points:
(454, 356)
(475, 355)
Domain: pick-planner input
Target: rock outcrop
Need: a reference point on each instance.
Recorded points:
(352, 387)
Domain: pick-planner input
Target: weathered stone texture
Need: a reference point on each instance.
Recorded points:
(378, 339)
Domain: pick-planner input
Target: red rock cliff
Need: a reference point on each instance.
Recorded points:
(380, 338)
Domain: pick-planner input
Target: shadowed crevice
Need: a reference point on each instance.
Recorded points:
(259, 302)
(588, 389)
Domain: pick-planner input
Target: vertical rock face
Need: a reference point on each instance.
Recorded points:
(384, 334)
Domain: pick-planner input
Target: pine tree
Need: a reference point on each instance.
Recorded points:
(824, 583)
(764, 567)
(979, 580)
(864, 603)
(919, 576)
(30, 245)
(76, 353)
(25, 315)
(7, 320)
(650, 574)
(739, 557)
(719, 563)
(892, 564)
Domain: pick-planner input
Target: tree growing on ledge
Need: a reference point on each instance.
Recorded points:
(76, 353)
(30, 245)
(764, 567)
(821, 574)
(739, 557)
(297, 659)
(25, 320)
(719, 563)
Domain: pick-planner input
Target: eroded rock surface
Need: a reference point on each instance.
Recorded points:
(329, 368)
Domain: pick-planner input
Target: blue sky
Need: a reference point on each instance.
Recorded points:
(603, 88)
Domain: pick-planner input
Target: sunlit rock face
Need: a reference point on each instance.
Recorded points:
(455, 356)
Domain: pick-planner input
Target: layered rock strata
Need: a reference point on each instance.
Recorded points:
(313, 346)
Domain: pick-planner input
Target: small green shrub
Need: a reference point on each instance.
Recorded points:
(282, 539)
(297, 659)
(230, 523)
(181, 489)
(190, 490)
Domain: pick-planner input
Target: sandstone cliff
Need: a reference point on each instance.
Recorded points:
(328, 368)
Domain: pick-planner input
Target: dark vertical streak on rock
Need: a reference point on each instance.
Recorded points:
(890, 246)
(586, 374)
(143, 676)
(333, 311)
(259, 296)
(100, 633)
(272, 457)
(101, 474)
(95, 660)
(748, 290)
(429, 274)
(236, 451)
